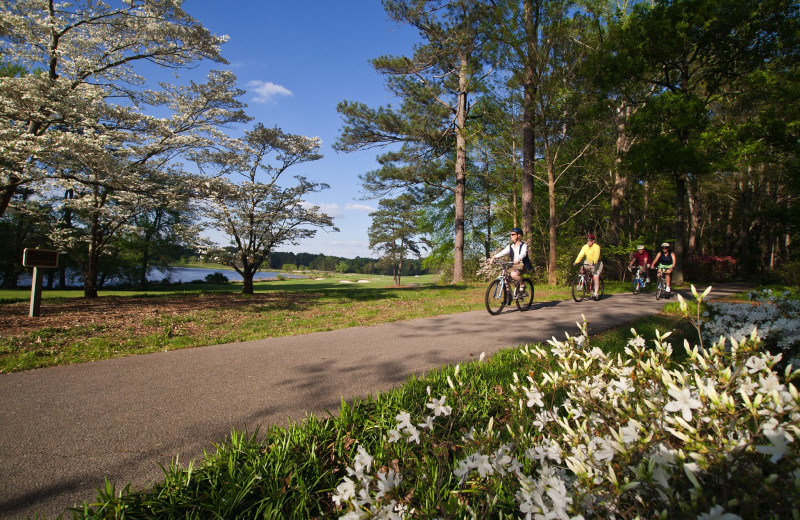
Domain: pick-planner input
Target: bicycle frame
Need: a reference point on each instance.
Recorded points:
(502, 291)
(639, 278)
(584, 283)
(661, 284)
(587, 278)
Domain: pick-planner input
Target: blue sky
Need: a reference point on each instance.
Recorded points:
(297, 60)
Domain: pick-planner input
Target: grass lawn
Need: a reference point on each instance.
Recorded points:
(122, 322)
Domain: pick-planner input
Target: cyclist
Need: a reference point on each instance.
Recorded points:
(665, 260)
(591, 250)
(642, 259)
(518, 251)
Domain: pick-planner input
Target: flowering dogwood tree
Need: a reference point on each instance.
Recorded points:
(245, 200)
(83, 90)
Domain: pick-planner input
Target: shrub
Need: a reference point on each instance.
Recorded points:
(289, 267)
(711, 268)
(216, 277)
(634, 436)
(775, 317)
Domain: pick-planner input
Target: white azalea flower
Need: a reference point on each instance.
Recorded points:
(534, 397)
(684, 402)
(438, 407)
(344, 492)
(718, 513)
(780, 440)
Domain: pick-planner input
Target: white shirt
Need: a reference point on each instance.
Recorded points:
(520, 251)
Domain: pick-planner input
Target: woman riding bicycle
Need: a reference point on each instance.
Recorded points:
(665, 261)
(591, 250)
(641, 258)
(518, 251)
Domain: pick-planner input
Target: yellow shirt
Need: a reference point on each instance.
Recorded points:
(592, 253)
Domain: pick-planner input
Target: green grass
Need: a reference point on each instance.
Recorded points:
(214, 314)
(278, 308)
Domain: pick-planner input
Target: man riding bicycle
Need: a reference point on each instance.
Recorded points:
(518, 251)
(641, 258)
(665, 261)
(591, 250)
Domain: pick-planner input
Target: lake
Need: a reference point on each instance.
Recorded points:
(174, 275)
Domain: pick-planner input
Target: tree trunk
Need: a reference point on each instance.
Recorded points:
(617, 220)
(528, 121)
(746, 207)
(7, 193)
(144, 265)
(90, 271)
(461, 172)
(694, 216)
(552, 225)
(680, 228)
(728, 247)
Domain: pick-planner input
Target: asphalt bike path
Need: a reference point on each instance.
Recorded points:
(64, 429)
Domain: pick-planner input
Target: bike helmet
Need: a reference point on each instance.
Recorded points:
(589, 237)
(517, 231)
(639, 248)
(665, 244)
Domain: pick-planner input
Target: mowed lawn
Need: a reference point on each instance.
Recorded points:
(73, 329)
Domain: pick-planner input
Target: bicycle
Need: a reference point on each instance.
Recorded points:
(661, 283)
(639, 280)
(503, 290)
(584, 283)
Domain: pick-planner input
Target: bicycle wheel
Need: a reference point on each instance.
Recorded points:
(602, 289)
(578, 289)
(496, 295)
(660, 290)
(525, 296)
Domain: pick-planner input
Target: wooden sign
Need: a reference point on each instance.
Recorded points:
(45, 258)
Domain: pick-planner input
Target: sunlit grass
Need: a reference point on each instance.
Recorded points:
(279, 308)
(291, 307)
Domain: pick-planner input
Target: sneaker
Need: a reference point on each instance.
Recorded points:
(648, 280)
(595, 296)
(667, 289)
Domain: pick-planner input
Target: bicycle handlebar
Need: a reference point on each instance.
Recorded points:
(504, 264)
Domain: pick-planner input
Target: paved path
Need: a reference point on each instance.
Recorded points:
(63, 429)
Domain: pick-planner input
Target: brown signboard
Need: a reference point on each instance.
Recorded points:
(46, 258)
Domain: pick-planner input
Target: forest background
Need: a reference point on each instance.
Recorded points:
(640, 122)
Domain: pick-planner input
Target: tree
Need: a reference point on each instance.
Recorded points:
(689, 51)
(549, 44)
(83, 54)
(434, 85)
(244, 200)
(394, 232)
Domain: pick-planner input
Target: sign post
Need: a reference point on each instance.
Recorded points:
(38, 259)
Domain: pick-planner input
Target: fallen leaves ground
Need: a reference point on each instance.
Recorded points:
(117, 312)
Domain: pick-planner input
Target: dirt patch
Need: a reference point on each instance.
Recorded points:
(118, 312)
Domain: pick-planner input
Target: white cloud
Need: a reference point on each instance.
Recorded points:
(359, 207)
(330, 209)
(266, 91)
